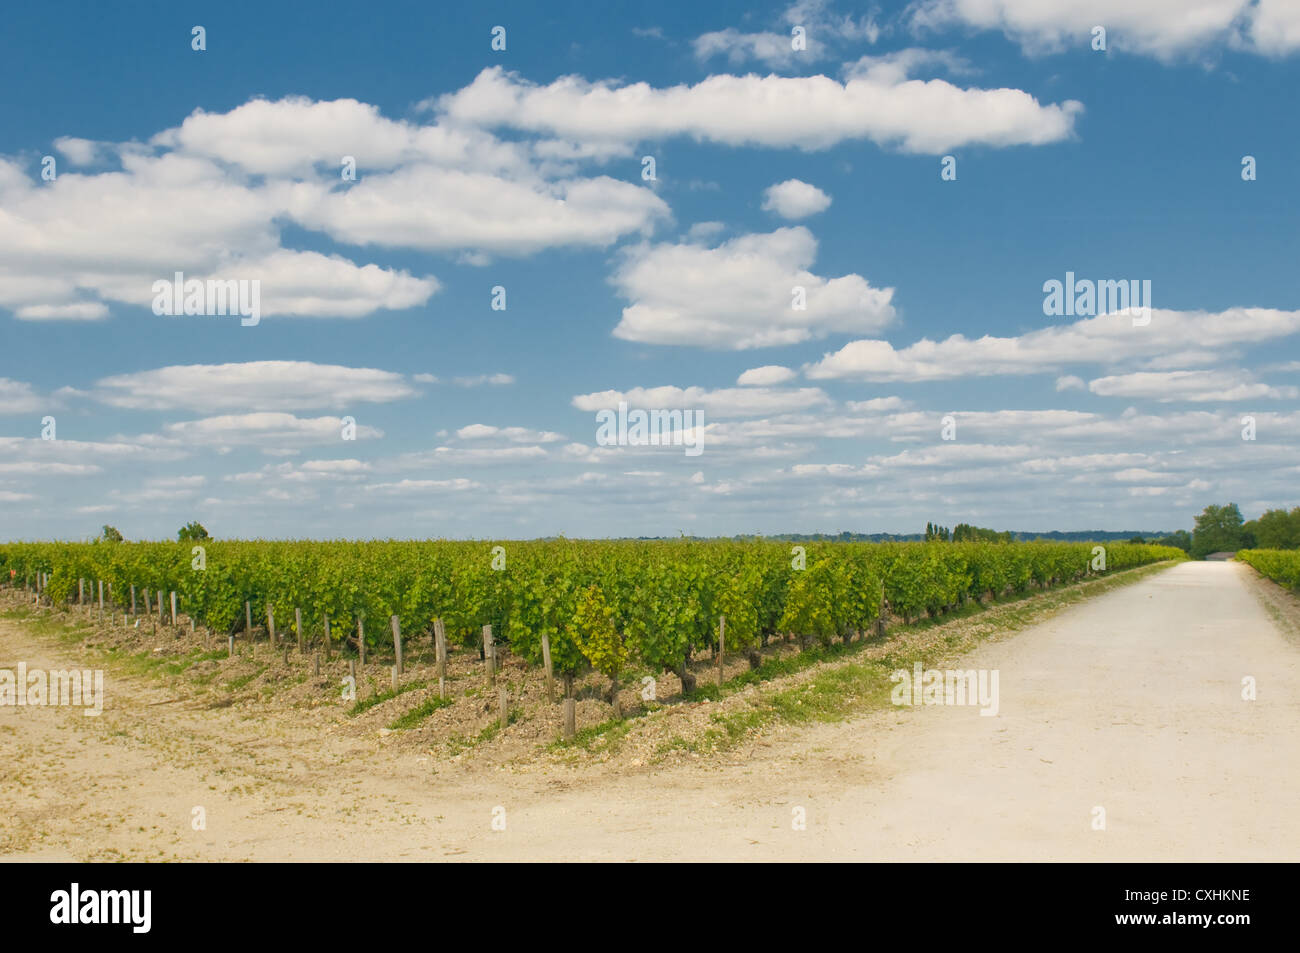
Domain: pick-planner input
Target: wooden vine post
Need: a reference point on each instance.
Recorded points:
(722, 644)
(440, 650)
(550, 672)
(489, 655)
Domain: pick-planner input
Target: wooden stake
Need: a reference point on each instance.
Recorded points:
(101, 595)
(173, 607)
(489, 655)
(270, 623)
(302, 645)
(503, 704)
(361, 641)
(248, 620)
(440, 651)
(133, 600)
(327, 637)
(546, 660)
(81, 591)
(722, 644)
(230, 648)
(395, 673)
(397, 642)
(315, 664)
(570, 717)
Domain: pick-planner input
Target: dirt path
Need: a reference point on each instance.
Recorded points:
(1129, 702)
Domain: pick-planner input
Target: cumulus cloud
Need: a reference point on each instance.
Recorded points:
(823, 31)
(805, 112)
(793, 199)
(765, 376)
(723, 402)
(266, 429)
(740, 295)
(459, 209)
(18, 397)
(260, 385)
(1106, 339)
(1165, 29)
(512, 434)
(1168, 386)
(209, 198)
(478, 380)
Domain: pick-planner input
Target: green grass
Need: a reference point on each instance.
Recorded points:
(420, 712)
(458, 743)
(238, 682)
(379, 698)
(605, 735)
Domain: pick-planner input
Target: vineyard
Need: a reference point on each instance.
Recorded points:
(1282, 566)
(588, 604)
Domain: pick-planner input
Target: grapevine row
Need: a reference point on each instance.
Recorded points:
(599, 602)
(1280, 565)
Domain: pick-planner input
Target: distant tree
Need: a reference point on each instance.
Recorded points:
(1181, 539)
(965, 532)
(1136, 539)
(1276, 529)
(110, 534)
(192, 531)
(1219, 529)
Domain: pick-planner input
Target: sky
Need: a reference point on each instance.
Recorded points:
(825, 234)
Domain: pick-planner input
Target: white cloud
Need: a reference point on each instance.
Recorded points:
(18, 397)
(78, 151)
(466, 209)
(513, 434)
(402, 487)
(1069, 382)
(439, 456)
(210, 198)
(253, 385)
(823, 30)
(806, 112)
(765, 376)
(724, 402)
(1106, 339)
(1274, 28)
(266, 429)
(1190, 386)
(1166, 29)
(876, 405)
(793, 199)
(494, 380)
(739, 294)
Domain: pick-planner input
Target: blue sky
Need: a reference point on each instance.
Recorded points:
(522, 168)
